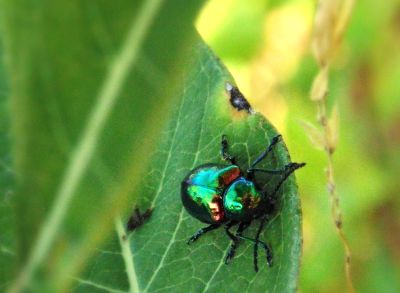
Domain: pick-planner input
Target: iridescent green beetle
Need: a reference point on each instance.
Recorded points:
(220, 194)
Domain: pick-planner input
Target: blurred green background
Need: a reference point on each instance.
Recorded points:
(266, 46)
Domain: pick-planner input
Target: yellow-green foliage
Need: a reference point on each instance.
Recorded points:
(275, 68)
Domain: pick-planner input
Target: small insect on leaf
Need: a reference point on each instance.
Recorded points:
(137, 219)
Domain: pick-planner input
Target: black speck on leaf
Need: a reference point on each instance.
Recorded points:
(238, 101)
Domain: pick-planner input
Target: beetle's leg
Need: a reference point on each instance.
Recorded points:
(267, 249)
(202, 231)
(274, 141)
(289, 167)
(231, 252)
(242, 226)
(287, 171)
(235, 240)
(224, 151)
(258, 242)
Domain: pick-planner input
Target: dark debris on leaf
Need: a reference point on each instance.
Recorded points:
(137, 219)
(238, 101)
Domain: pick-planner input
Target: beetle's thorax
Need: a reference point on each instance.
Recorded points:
(241, 200)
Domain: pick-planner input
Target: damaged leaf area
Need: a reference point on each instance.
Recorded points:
(237, 99)
(159, 254)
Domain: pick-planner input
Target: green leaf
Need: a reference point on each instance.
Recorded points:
(7, 221)
(160, 258)
(91, 84)
(7, 240)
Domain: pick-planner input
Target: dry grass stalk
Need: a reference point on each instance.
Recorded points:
(331, 20)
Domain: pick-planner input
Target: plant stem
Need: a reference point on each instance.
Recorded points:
(331, 19)
(335, 200)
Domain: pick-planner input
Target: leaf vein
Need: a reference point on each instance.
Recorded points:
(166, 252)
(127, 256)
(181, 210)
(99, 286)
